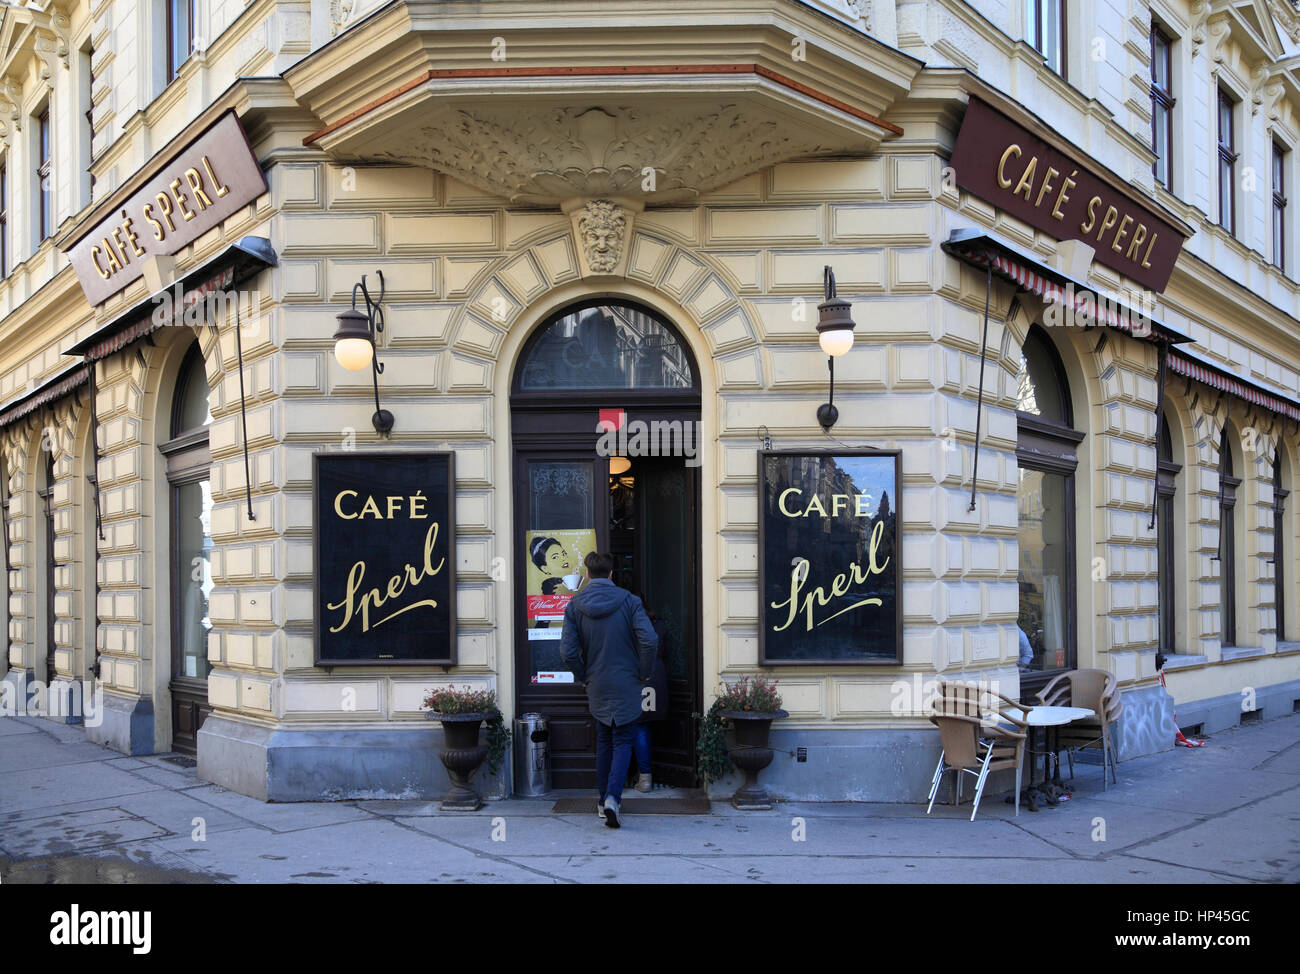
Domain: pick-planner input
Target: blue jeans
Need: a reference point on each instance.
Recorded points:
(641, 745)
(613, 755)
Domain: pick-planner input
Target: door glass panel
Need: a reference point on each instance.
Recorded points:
(561, 532)
(1043, 570)
(194, 549)
(667, 577)
(608, 346)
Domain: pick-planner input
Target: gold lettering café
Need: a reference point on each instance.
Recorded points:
(317, 398)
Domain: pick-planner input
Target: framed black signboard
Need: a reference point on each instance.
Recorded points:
(385, 544)
(828, 569)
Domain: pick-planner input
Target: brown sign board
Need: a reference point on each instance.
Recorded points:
(210, 179)
(1005, 164)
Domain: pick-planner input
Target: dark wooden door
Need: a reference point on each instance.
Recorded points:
(565, 486)
(668, 561)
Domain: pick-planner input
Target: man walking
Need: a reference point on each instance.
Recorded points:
(609, 643)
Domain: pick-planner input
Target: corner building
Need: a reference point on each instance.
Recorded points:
(617, 210)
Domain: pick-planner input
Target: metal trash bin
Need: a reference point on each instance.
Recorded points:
(532, 740)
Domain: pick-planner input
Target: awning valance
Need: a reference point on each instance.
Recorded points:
(1028, 272)
(1186, 363)
(236, 263)
(48, 391)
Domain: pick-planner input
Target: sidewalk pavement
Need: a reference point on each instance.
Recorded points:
(71, 811)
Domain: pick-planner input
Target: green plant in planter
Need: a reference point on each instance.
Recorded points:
(748, 694)
(450, 701)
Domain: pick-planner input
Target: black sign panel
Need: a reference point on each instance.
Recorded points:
(385, 558)
(829, 572)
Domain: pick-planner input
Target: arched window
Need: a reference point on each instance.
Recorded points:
(188, 465)
(1281, 547)
(605, 345)
(1228, 485)
(1047, 455)
(1166, 538)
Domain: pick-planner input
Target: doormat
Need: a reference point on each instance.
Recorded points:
(636, 806)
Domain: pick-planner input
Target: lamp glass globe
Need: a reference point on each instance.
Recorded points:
(836, 341)
(354, 354)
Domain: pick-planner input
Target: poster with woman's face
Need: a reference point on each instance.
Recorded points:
(555, 572)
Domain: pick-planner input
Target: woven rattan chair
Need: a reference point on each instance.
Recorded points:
(976, 739)
(1098, 691)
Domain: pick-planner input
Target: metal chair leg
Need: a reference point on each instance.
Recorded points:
(934, 784)
(979, 783)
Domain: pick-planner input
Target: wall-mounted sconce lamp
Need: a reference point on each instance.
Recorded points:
(354, 343)
(835, 335)
(619, 465)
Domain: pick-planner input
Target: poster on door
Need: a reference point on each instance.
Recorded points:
(555, 573)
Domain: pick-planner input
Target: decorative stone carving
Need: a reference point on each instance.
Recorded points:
(543, 157)
(1217, 30)
(602, 229)
(1200, 14)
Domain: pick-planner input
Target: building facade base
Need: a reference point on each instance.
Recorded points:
(1215, 714)
(300, 764)
(126, 724)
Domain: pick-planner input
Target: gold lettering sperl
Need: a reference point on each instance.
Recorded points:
(355, 603)
(806, 604)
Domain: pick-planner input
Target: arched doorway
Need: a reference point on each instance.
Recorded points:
(188, 466)
(631, 487)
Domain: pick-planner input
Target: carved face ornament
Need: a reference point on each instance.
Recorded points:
(602, 229)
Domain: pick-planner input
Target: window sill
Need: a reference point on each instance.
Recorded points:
(1182, 661)
(1288, 647)
(1229, 653)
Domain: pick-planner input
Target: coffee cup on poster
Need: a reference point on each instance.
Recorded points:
(572, 581)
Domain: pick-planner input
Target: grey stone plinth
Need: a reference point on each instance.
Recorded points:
(1146, 725)
(126, 724)
(294, 764)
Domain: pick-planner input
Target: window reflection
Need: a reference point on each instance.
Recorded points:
(1044, 561)
(607, 346)
(194, 548)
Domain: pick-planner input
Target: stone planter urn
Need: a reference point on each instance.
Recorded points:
(751, 755)
(461, 755)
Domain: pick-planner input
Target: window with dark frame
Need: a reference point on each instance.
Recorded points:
(1279, 207)
(1166, 537)
(1045, 31)
(188, 470)
(1047, 456)
(1227, 163)
(1162, 107)
(44, 186)
(1228, 485)
(1279, 544)
(180, 34)
(46, 493)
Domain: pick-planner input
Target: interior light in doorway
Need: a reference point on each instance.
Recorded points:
(618, 465)
(835, 335)
(354, 343)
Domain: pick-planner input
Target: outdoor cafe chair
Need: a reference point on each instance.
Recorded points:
(1098, 691)
(976, 741)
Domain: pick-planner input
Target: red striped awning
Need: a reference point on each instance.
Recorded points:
(1221, 379)
(1088, 306)
(55, 389)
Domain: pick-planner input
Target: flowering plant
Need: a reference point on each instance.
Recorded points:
(450, 700)
(751, 694)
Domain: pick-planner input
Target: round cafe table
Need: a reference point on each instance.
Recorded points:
(1048, 717)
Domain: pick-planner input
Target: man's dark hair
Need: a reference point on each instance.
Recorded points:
(600, 564)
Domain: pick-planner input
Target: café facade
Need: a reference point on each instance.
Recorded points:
(372, 324)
